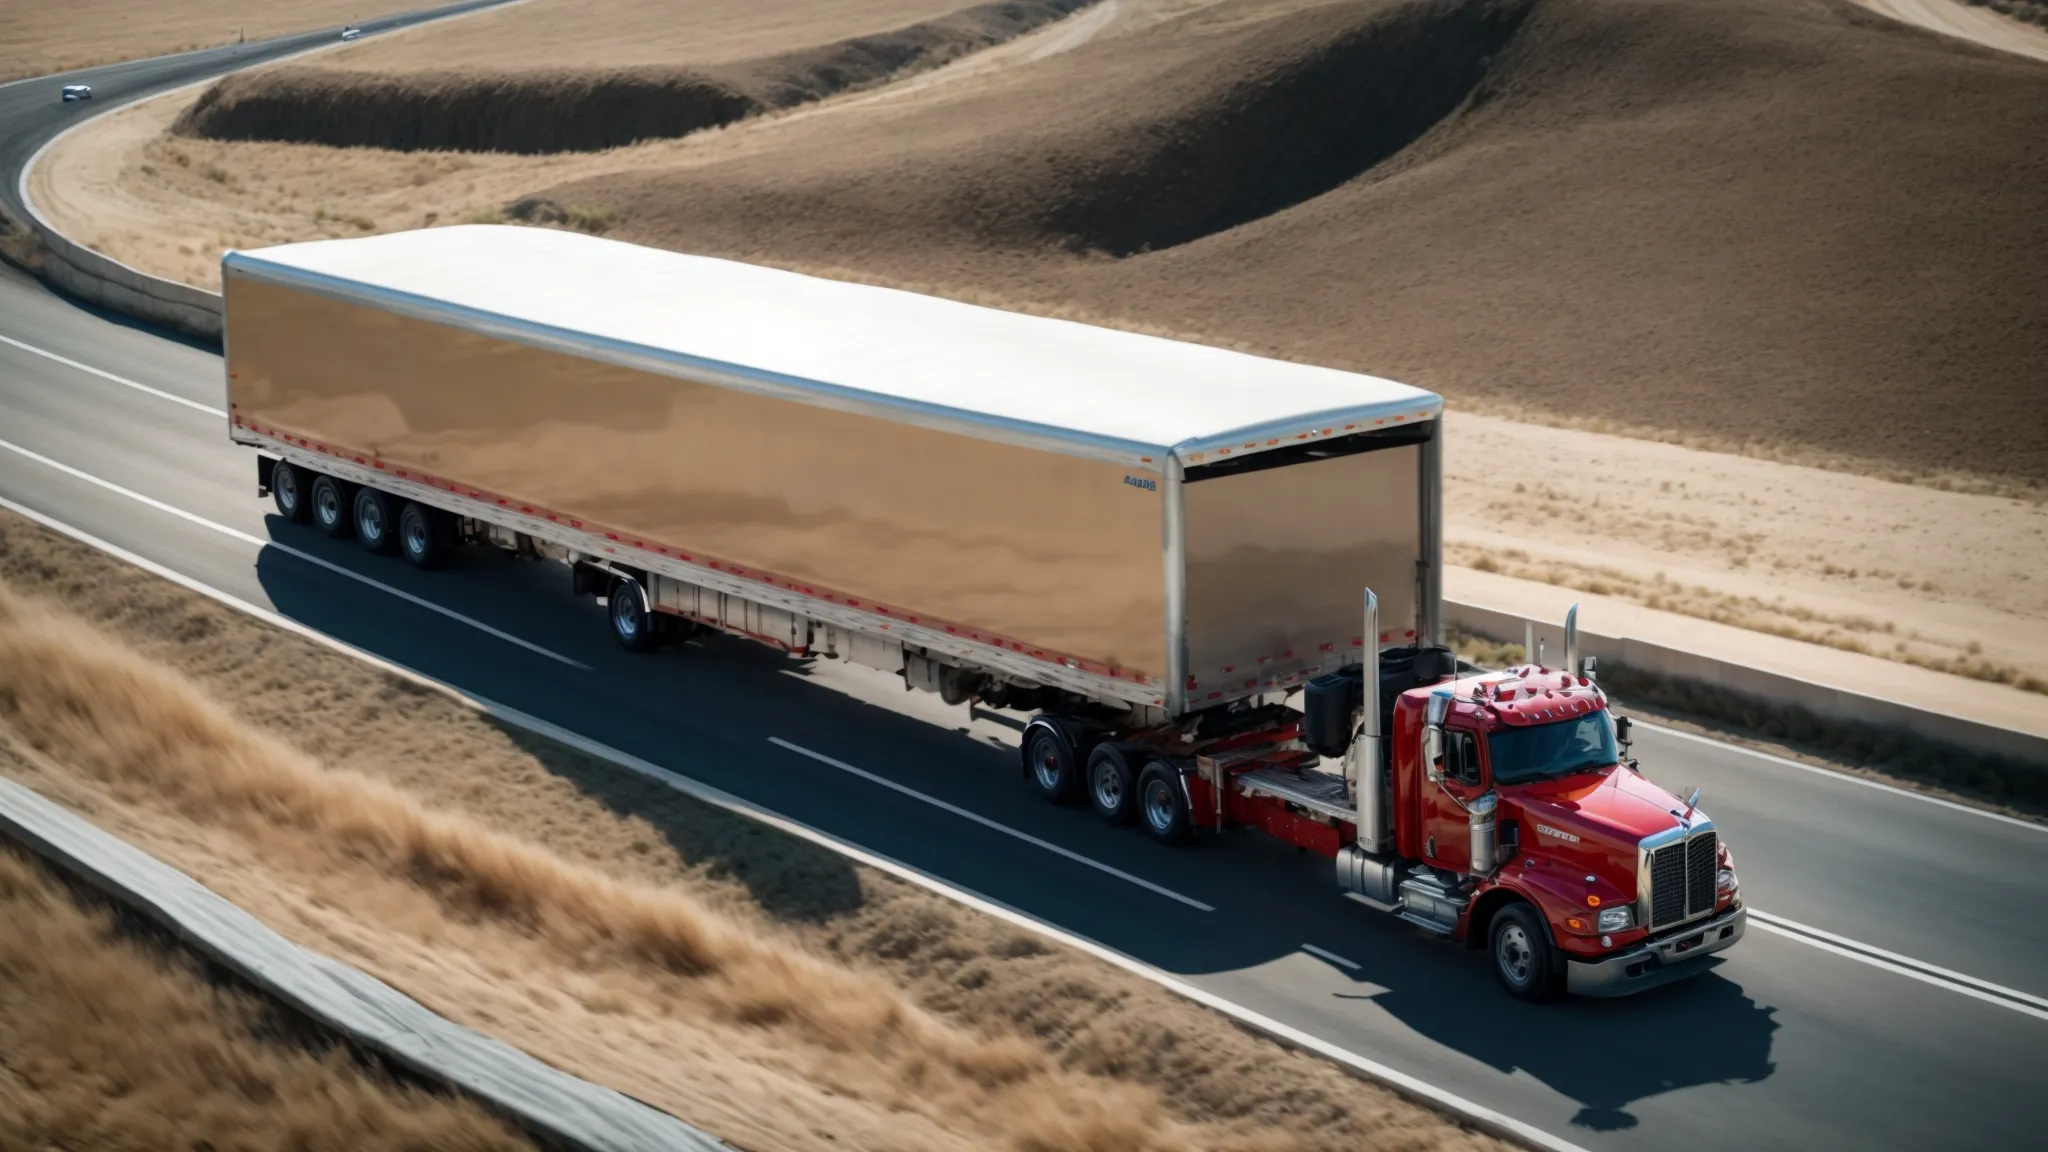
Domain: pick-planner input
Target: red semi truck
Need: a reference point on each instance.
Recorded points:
(1155, 548)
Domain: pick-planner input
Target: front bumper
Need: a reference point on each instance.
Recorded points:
(1684, 952)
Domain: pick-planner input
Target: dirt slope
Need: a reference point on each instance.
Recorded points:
(113, 1039)
(1768, 221)
(562, 108)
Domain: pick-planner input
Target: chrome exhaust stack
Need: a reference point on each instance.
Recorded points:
(1364, 872)
(1368, 778)
(1571, 641)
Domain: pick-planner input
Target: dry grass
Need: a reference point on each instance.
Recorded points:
(114, 1041)
(1778, 617)
(38, 38)
(529, 891)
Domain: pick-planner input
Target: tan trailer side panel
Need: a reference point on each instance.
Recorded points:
(1049, 550)
(1278, 562)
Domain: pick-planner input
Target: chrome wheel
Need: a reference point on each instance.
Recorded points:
(370, 524)
(327, 505)
(416, 535)
(284, 484)
(1161, 805)
(1046, 766)
(1109, 787)
(626, 614)
(1515, 955)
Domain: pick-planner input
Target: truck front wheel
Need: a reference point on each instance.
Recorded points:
(331, 514)
(633, 623)
(1520, 946)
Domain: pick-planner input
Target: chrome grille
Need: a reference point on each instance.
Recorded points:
(1701, 855)
(1680, 880)
(1667, 885)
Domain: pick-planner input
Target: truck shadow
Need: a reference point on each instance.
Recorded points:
(1700, 1031)
(707, 712)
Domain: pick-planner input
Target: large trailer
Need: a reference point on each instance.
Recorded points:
(1150, 544)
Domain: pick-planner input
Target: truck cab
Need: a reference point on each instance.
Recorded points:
(1525, 831)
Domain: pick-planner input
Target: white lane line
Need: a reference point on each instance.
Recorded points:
(288, 550)
(1409, 1086)
(985, 822)
(87, 368)
(1847, 777)
(1997, 993)
(1332, 957)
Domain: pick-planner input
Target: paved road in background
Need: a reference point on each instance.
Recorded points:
(1919, 1019)
(30, 114)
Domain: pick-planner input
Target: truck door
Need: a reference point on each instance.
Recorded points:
(1447, 839)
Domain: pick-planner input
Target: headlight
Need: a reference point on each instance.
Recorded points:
(1617, 919)
(1724, 881)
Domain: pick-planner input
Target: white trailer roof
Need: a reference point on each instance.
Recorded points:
(1094, 391)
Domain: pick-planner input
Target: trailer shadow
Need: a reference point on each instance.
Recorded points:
(708, 712)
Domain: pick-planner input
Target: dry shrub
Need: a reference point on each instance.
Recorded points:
(76, 695)
(113, 1042)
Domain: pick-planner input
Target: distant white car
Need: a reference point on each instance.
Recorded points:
(75, 92)
(351, 33)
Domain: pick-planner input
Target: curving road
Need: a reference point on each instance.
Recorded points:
(1890, 995)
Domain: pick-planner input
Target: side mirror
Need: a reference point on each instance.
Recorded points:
(1622, 724)
(1433, 753)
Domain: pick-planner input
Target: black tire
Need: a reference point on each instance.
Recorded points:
(1112, 785)
(422, 535)
(1049, 763)
(1518, 942)
(288, 492)
(376, 521)
(634, 623)
(1163, 806)
(329, 504)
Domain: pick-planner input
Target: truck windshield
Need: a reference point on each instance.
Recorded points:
(1548, 751)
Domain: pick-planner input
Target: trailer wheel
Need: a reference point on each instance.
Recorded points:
(330, 505)
(376, 526)
(1520, 947)
(1049, 763)
(1112, 786)
(288, 492)
(422, 535)
(1163, 805)
(633, 622)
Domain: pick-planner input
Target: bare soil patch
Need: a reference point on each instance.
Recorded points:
(117, 1040)
(38, 38)
(754, 985)
(565, 108)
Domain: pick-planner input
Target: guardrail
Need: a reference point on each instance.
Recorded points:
(366, 1011)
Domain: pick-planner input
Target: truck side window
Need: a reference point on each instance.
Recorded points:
(1461, 756)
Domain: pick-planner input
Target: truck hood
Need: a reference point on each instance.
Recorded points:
(1594, 818)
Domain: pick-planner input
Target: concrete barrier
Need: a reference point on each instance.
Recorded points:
(369, 1013)
(115, 286)
(1766, 689)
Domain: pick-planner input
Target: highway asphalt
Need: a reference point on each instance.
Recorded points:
(1891, 992)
